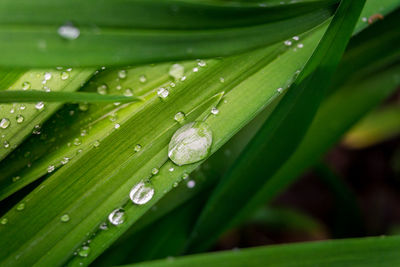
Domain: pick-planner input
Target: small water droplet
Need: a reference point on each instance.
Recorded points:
(300, 45)
(22, 107)
(221, 79)
(19, 118)
(141, 193)
(64, 218)
(176, 71)
(179, 117)
(288, 43)
(47, 76)
(84, 251)
(185, 176)
(103, 226)
(68, 31)
(16, 178)
(162, 92)
(296, 38)
(190, 143)
(36, 129)
(128, 92)
(195, 69)
(26, 85)
(77, 141)
(83, 106)
(102, 89)
(154, 171)
(122, 74)
(39, 105)
(4, 221)
(142, 79)
(137, 148)
(6, 144)
(214, 111)
(21, 206)
(64, 75)
(4, 123)
(279, 90)
(201, 63)
(96, 143)
(65, 160)
(175, 184)
(191, 184)
(171, 169)
(117, 216)
(117, 125)
(50, 168)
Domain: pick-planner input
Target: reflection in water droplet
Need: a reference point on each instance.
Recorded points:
(4, 123)
(84, 251)
(179, 117)
(117, 216)
(68, 31)
(176, 71)
(65, 218)
(39, 105)
(21, 206)
(19, 118)
(26, 85)
(190, 143)
(162, 93)
(64, 75)
(141, 193)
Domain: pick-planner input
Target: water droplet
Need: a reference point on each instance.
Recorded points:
(6, 144)
(103, 226)
(68, 31)
(64, 75)
(122, 74)
(176, 71)
(142, 79)
(279, 90)
(128, 92)
(83, 106)
(65, 160)
(39, 105)
(117, 216)
(50, 168)
(296, 38)
(191, 184)
(26, 85)
(102, 89)
(47, 76)
(36, 129)
(4, 221)
(22, 107)
(179, 117)
(288, 43)
(141, 193)
(77, 141)
(162, 93)
(175, 184)
(190, 143)
(64, 218)
(364, 19)
(96, 143)
(201, 63)
(300, 45)
(185, 176)
(154, 171)
(21, 206)
(214, 111)
(221, 79)
(171, 169)
(84, 251)
(117, 125)
(19, 118)
(4, 123)
(137, 148)
(16, 178)
(195, 69)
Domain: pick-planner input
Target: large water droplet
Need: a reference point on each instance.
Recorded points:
(69, 31)
(117, 216)
(84, 251)
(4, 123)
(190, 143)
(141, 193)
(176, 71)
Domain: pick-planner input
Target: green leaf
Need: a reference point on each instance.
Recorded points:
(372, 251)
(271, 147)
(63, 97)
(145, 31)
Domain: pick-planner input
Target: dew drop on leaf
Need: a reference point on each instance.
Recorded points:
(39, 105)
(65, 218)
(4, 123)
(137, 148)
(162, 92)
(26, 85)
(154, 171)
(176, 71)
(117, 216)
(142, 79)
(50, 168)
(190, 143)
(69, 31)
(4, 221)
(21, 206)
(191, 184)
(84, 251)
(179, 117)
(102, 89)
(64, 75)
(141, 193)
(19, 118)
(214, 111)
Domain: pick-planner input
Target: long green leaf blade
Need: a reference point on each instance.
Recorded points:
(270, 148)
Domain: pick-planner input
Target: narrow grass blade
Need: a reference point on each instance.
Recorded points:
(109, 33)
(270, 148)
(61, 97)
(375, 251)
